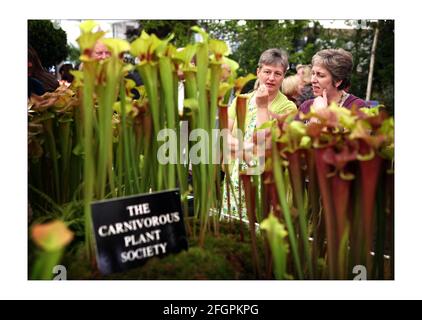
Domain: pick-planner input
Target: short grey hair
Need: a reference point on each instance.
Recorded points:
(274, 57)
(338, 62)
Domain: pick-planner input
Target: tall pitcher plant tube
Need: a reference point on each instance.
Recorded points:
(51, 238)
(166, 78)
(276, 234)
(294, 139)
(281, 192)
(145, 49)
(113, 68)
(87, 42)
(202, 62)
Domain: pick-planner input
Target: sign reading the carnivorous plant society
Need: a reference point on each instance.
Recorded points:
(130, 230)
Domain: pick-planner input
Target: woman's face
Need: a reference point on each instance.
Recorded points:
(322, 79)
(271, 76)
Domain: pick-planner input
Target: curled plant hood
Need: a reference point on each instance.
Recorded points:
(339, 157)
(51, 236)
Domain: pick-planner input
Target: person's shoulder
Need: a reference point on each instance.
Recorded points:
(284, 102)
(352, 100)
(305, 107)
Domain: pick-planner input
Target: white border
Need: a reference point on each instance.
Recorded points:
(13, 254)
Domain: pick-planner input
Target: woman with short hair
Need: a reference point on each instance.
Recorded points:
(331, 76)
(262, 103)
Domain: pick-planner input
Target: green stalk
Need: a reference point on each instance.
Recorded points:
(296, 181)
(213, 169)
(119, 165)
(257, 183)
(51, 147)
(182, 169)
(134, 162)
(111, 172)
(66, 152)
(44, 264)
(105, 110)
(76, 164)
(191, 90)
(275, 234)
(241, 117)
(88, 172)
(126, 168)
(166, 76)
(148, 176)
(203, 123)
(149, 73)
(281, 191)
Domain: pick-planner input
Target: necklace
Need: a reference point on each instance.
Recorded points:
(342, 99)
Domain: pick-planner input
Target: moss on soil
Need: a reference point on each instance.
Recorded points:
(223, 257)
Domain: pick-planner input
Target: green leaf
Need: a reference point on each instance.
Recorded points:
(266, 125)
(145, 46)
(242, 81)
(185, 55)
(273, 227)
(219, 49)
(231, 63)
(87, 26)
(224, 88)
(116, 46)
(87, 39)
(190, 103)
(305, 142)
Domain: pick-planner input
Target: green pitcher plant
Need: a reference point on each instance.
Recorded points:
(322, 206)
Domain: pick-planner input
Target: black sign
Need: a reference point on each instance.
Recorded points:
(129, 231)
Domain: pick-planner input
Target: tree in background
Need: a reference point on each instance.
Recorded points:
(383, 79)
(73, 54)
(162, 28)
(49, 41)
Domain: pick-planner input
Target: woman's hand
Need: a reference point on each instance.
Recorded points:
(261, 97)
(321, 102)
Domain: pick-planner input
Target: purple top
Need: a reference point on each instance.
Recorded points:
(350, 101)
